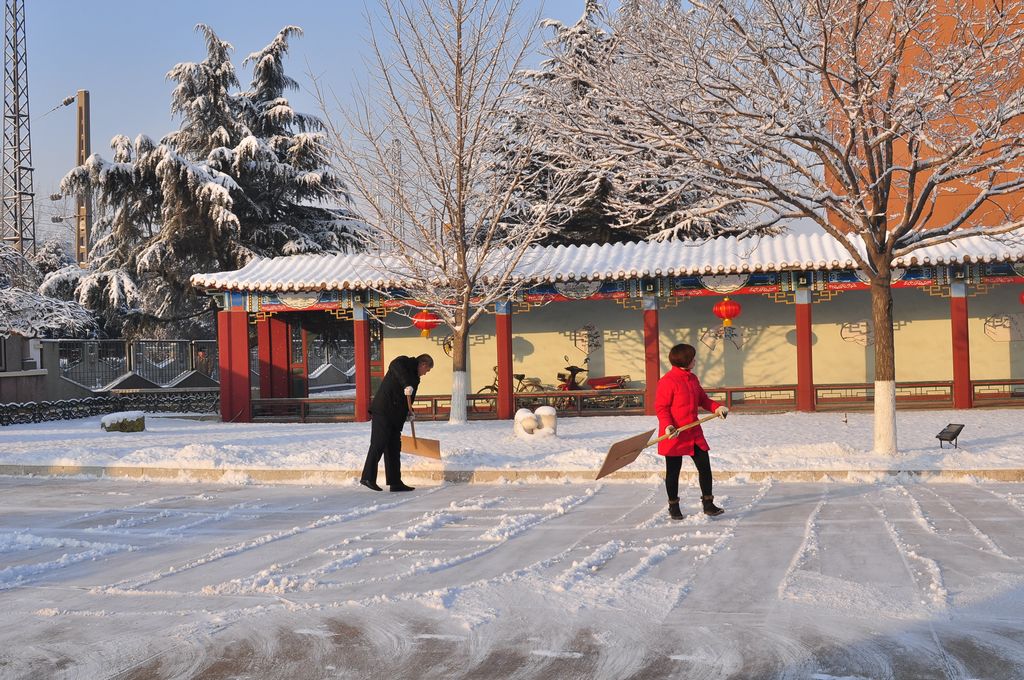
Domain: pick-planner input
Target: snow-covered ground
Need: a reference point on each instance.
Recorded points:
(991, 439)
(879, 577)
(108, 578)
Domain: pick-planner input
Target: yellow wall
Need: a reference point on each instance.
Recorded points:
(543, 335)
(995, 359)
(541, 338)
(400, 338)
(767, 355)
(923, 337)
(839, 360)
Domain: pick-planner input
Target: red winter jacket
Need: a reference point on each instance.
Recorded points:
(679, 394)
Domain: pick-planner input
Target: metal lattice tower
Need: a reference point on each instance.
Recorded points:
(19, 220)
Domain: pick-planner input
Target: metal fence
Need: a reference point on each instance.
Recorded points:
(161, 361)
(203, 400)
(338, 353)
(95, 364)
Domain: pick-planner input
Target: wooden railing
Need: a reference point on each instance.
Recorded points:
(998, 392)
(861, 396)
(303, 410)
(756, 398)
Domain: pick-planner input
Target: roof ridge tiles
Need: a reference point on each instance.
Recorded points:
(598, 261)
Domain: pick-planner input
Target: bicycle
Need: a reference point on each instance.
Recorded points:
(523, 385)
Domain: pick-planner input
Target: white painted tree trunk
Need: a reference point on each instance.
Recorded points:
(457, 415)
(885, 417)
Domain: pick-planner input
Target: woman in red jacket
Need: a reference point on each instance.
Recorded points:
(676, 402)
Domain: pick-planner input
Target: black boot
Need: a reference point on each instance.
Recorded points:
(709, 506)
(401, 487)
(673, 509)
(370, 484)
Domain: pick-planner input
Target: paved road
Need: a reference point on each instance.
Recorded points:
(116, 579)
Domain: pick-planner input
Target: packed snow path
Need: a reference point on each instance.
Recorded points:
(116, 579)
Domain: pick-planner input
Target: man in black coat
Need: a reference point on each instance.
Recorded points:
(389, 410)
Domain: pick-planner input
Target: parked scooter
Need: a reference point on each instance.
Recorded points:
(569, 381)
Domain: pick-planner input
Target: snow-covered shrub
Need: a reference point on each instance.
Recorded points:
(125, 421)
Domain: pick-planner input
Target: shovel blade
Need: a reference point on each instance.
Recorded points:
(419, 446)
(624, 452)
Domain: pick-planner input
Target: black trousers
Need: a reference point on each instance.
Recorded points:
(386, 441)
(673, 464)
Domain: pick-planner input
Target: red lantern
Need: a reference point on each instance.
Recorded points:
(727, 310)
(426, 321)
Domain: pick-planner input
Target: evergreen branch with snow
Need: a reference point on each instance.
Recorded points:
(243, 176)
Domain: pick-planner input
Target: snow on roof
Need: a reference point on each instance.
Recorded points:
(724, 255)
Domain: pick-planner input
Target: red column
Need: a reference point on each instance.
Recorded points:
(233, 355)
(804, 359)
(272, 346)
(963, 396)
(361, 329)
(263, 354)
(280, 347)
(652, 352)
(503, 328)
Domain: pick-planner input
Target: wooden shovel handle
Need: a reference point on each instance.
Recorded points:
(412, 423)
(663, 437)
(699, 421)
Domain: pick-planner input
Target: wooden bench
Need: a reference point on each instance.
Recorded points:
(949, 434)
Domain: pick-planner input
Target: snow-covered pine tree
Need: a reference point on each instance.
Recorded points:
(16, 271)
(583, 215)
(50, 257)
(611, 201)
(241, 177)
(281, 167)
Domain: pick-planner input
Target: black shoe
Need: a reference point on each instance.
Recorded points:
(673, 510)
(709, 506)
(370, 485)
(401, 487)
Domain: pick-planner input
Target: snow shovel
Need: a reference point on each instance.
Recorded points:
(624, 452)
(428, 448)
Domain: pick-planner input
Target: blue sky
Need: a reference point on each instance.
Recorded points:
(120, 50)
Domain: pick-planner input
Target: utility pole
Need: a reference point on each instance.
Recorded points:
(18, 225)
(83, 204)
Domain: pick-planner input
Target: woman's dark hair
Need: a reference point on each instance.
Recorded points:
(681, 355)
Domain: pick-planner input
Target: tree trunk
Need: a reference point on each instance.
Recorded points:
(457, 414)
(885, 363)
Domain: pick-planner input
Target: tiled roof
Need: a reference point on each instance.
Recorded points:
(598, 262)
